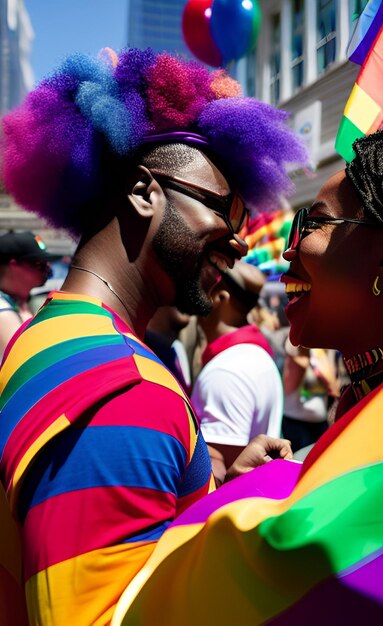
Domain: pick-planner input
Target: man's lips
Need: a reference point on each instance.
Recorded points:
(218, 261)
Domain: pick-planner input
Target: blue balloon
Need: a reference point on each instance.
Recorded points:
(235, 25)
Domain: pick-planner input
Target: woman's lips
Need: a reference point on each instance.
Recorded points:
(294, 287)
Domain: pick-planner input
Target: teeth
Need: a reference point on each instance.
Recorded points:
(218, 262)
(297, 287)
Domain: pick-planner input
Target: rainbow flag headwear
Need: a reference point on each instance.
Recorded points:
(363, 113)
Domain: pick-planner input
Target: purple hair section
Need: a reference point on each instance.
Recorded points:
(53, 145)
(132, 69)
(131, 77)
(256, 145)
(51, 150)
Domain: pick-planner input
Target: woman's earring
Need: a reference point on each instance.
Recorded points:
(375, 289)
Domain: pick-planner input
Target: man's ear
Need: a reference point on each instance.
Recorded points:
(219, 297)
(144, 192)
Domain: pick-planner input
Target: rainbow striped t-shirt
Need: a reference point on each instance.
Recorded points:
(100, 450)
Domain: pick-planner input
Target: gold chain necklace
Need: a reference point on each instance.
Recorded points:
(103, 280)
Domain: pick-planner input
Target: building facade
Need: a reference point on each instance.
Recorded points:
(16, 79)
(158, 24)
(16, 34)
(300, 64)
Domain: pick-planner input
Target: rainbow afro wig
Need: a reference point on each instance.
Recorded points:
(53, 146)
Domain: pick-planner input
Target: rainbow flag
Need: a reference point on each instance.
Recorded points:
(314, 557)
(266, 238)
(367, 26)
(363, 113)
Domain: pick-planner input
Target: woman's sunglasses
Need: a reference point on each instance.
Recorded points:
(303, 221)
(231, 207)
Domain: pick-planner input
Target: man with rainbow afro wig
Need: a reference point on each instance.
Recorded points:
(153, 164)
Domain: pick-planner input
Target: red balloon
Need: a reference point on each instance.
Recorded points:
(196, 32)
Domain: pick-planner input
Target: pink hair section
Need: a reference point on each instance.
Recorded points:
(39, 141)
(28, 170)
(177, 92)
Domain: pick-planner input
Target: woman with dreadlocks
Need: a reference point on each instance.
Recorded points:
(335, 279)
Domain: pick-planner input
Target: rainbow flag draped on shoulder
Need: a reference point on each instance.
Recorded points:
(314, 557)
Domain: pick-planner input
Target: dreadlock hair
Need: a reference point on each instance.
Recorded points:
(366, 173)
(79, 130)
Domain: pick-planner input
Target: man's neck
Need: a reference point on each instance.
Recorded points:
(219, 329)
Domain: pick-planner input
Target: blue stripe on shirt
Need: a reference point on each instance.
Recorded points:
(103, 456)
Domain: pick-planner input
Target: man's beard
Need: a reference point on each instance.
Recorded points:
(180, 254)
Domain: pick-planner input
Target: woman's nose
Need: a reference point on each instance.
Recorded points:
(289, 254)
(239, 245)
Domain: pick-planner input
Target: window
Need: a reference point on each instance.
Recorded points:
(355, 8)
(297, 30)
(275, 58)
(326, 34)
(301, 40)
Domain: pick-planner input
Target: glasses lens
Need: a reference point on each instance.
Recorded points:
(238, 214)
(235, 216)
(296, 228)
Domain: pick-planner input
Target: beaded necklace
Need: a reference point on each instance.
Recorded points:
(360, 367)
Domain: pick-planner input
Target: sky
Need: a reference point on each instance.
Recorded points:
(65, 26)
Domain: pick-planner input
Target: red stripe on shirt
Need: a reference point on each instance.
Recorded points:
(150, 406)
(80, 521)
(102, 380)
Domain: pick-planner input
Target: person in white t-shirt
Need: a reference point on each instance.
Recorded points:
(238, 393)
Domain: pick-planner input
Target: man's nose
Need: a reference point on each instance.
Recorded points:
(239, 245)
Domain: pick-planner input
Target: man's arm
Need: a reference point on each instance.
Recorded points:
(260, 450)
(239, 460)
(9, 324)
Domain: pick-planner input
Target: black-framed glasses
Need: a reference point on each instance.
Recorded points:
(303, 222)
(231, 207)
